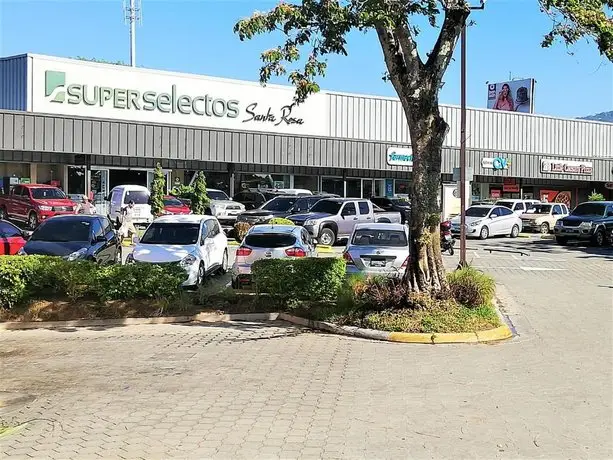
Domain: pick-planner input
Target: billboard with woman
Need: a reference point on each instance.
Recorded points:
(511, 96)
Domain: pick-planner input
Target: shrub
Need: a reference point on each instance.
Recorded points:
(310, 279)
(595, 196)
(470, 287)
(200, 200)
(240, 230)
(280, 221)
(13, 287)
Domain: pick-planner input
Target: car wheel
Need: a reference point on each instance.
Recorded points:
(598, 239)
(451, 250)
(32, 221)
(484, 233)
(561, 241)
(545, 228)
(3, 215)
(200, 277)
(327, 237)
(515, 231)
(224, 263)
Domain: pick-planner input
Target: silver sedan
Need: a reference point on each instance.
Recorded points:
(378, 250)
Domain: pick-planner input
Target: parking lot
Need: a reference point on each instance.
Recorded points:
(272, 390)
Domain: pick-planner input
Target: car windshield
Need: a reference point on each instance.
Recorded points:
(385, 238)
(279, 204)
(540, 209)
(138, 196)
(172, 202)
(589, 209)
(47, 193)
(63, 230)
(217, 195)
(401, 202)
(327, 207)
(477, 212)
(171, 233)
(506, 204)
(270, 240)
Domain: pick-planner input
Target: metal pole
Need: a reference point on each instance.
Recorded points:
(463, 149)
(132, 33)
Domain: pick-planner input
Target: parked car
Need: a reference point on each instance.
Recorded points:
(119, 198)
(279, 206)
(194, 242)
(483, 221)
(587, 222)
(223, 208)
(175, 206)
(295, 191)
(269, 242)
(254, 198)
(332, 219)
(76, 237)
(517, 206)
(12, 238)
(34, 203)
(378, 249)
(401, 205)
(542, 217)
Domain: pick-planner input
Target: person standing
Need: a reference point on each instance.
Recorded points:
(127, 228)
(85, 206)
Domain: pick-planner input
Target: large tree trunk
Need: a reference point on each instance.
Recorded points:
(426, 272)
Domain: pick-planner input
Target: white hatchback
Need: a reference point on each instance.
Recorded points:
(194, 242)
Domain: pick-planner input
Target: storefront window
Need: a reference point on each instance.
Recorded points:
(332, 185)
(402, 186)
(245, 181)
(354, 188)
(307, 182)
(367, 188)
(76, 180)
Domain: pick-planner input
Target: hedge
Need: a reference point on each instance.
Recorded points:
(24, 278)
(312, 279)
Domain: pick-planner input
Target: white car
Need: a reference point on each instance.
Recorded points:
(222, 207)
(517, 206)
(484, 221)
(119, 198)
(195, 242)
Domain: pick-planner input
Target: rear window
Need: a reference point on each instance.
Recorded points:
(270, 240)
(386, 238)
(139, 197)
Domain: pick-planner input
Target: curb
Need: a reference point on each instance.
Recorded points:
(324, 248)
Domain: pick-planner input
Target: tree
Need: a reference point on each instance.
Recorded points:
(322, 26)
(158, 190)
(200, 200)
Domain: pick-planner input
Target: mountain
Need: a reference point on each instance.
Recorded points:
(604, 116)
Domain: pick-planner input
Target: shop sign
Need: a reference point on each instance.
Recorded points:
(69, 87)
(495, 193)
(550, 166)
(497, 163)
(608, 185)
(509, 184)
(397, 156)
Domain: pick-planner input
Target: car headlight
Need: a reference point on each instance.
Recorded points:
(558, 223)
(76, 255)
(586, 224)
(187, 260)
(310, 222)
(46, 208)
(475, 223)
(22, 252)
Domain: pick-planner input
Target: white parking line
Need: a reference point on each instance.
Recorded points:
(542, 269)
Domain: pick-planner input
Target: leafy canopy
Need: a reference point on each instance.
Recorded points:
(322, 26)
(158, 190)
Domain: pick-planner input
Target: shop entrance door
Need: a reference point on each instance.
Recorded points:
(99, 186)
(379, 187)
(367, 188)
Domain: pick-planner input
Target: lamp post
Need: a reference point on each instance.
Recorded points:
(463, 140)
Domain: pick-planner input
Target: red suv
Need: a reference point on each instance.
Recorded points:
(33, 203)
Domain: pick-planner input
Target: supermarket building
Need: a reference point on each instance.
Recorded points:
(88, 126)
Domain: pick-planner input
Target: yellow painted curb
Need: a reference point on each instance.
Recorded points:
(500, 333)
(324, 249)
(455, 337)
(233, 243)
(524, 235)
(406, 337)
(547, 237)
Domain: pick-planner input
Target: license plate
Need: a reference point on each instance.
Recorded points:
(571, 231)
(377, 263)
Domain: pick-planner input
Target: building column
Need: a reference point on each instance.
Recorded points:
(33, 175)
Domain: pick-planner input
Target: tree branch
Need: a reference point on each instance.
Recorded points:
(409, 47)
(394, 59)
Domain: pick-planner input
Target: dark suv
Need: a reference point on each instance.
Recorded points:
(394, 204)
(279, 206)
(587, 222)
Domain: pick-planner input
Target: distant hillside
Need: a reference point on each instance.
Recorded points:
(604, 116)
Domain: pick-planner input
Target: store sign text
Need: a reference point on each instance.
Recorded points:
(497, 164)
(400, 156)
(284, 116)
(566, 167)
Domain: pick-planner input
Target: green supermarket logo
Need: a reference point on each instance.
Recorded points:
(58, 91)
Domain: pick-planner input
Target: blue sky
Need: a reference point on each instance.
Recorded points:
(196, 36)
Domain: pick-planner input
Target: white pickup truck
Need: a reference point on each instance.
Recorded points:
(333, 219)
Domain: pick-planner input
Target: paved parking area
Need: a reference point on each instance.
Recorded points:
(253, 390)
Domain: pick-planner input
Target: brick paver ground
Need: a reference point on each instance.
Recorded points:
(249, 390)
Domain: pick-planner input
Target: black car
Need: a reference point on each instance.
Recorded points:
(587, 222)
(254, 198)
(394, 204)
(280, 206)
(76, 237)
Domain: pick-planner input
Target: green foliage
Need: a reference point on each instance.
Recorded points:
(312, 279)
(470, 287)
(102, 61)
(595, 196)
(23, 278)
(158, 190)
(240, 230)
(200, 200)
(280, 221)
(183, 191)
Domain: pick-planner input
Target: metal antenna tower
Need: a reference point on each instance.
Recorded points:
(132, 15)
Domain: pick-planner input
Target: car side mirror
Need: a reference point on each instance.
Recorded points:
(100, 239)
(493, 216)
(26, 235)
